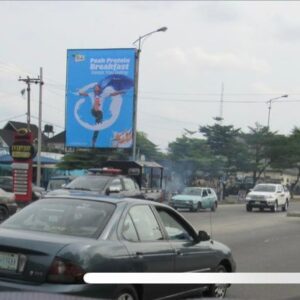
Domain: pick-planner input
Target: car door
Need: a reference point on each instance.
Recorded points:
(280, 195)
(131, 189)
(148, 247)
(190, 256)
(205, 199)
(145, 241)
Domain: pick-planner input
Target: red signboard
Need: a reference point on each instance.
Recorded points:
(22, 152)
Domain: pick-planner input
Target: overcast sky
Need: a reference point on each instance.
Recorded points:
(252, 47)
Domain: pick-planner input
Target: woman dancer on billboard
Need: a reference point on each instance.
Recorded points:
(110, 86)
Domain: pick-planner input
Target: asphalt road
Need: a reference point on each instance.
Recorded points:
(260, 242)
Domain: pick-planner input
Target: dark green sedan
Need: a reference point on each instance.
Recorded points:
(49, 245)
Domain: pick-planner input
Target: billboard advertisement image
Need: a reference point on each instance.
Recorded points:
(100, 98)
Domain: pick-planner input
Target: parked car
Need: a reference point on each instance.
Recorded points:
(58, 182)
(49, 245)
(267, 196)
(8, 205)
(6, 183)
(105, 181)
(195, 198)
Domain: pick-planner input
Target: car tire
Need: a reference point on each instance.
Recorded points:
(261, 209)
(274, 208)
(217, 290)
(248, 207)
(127, 292)
(4, 214)
(199, 206)
(285, 206)
(214, 207)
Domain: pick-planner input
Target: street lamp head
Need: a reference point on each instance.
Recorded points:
(163, 29)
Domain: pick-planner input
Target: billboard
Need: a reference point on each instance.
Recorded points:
(100, 98)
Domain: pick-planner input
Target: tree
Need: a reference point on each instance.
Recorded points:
(94, 158)
(224, 142)
(147, 148)
(264, 149)
(191, 157)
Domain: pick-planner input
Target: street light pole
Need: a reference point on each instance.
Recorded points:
(137, 64)
(270, 106)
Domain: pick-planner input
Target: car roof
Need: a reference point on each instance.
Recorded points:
(110, 199)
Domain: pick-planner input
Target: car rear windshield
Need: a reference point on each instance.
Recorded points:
(264, 188)
(74, 217)
(89, 183)
(192, 191)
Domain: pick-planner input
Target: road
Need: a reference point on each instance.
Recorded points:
(260, 242)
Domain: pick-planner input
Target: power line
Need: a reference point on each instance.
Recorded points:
(13, 117)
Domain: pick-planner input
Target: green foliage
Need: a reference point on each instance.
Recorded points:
(93, 158)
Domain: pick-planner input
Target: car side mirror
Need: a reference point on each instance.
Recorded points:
(114, 189)
(203, 236)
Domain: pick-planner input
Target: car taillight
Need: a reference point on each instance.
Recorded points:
(65, 272)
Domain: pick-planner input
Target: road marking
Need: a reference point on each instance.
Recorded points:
(192, 278)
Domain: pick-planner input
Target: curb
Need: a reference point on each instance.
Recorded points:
(293, 214)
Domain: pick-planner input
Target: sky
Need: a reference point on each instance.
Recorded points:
(251, 48)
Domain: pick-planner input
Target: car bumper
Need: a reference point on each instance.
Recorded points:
(179, 204)
(104, 291)
(260, 204)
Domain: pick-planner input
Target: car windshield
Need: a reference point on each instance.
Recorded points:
(264, 188)
(74, 217)
(89, 183)
(192, 191)
(55, 184)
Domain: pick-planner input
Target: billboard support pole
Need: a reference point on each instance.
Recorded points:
(137, 63)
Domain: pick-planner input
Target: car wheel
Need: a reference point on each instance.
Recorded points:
(261, 209)
(199, 206)
(126, 293)
(4, 214)
(248, 207)
(285, 207)
(274, 208)
(214, 207)
(217, 290)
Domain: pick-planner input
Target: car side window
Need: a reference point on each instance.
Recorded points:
(145, 223)
(129, 184)
(209, 191)
(116, 183)
(129, 231)
(204, 194)
(174, 228)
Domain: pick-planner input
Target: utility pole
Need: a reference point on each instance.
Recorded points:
(38, 174)
(137, 65)
(28, 80)
(221, 103)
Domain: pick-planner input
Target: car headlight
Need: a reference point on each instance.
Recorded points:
(248, 198)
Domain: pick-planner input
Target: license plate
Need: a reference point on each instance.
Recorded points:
(257, 202)
(8, 261)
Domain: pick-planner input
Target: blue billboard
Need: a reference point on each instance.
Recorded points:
(100, 98)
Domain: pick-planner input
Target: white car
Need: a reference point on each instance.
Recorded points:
(267, 195)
